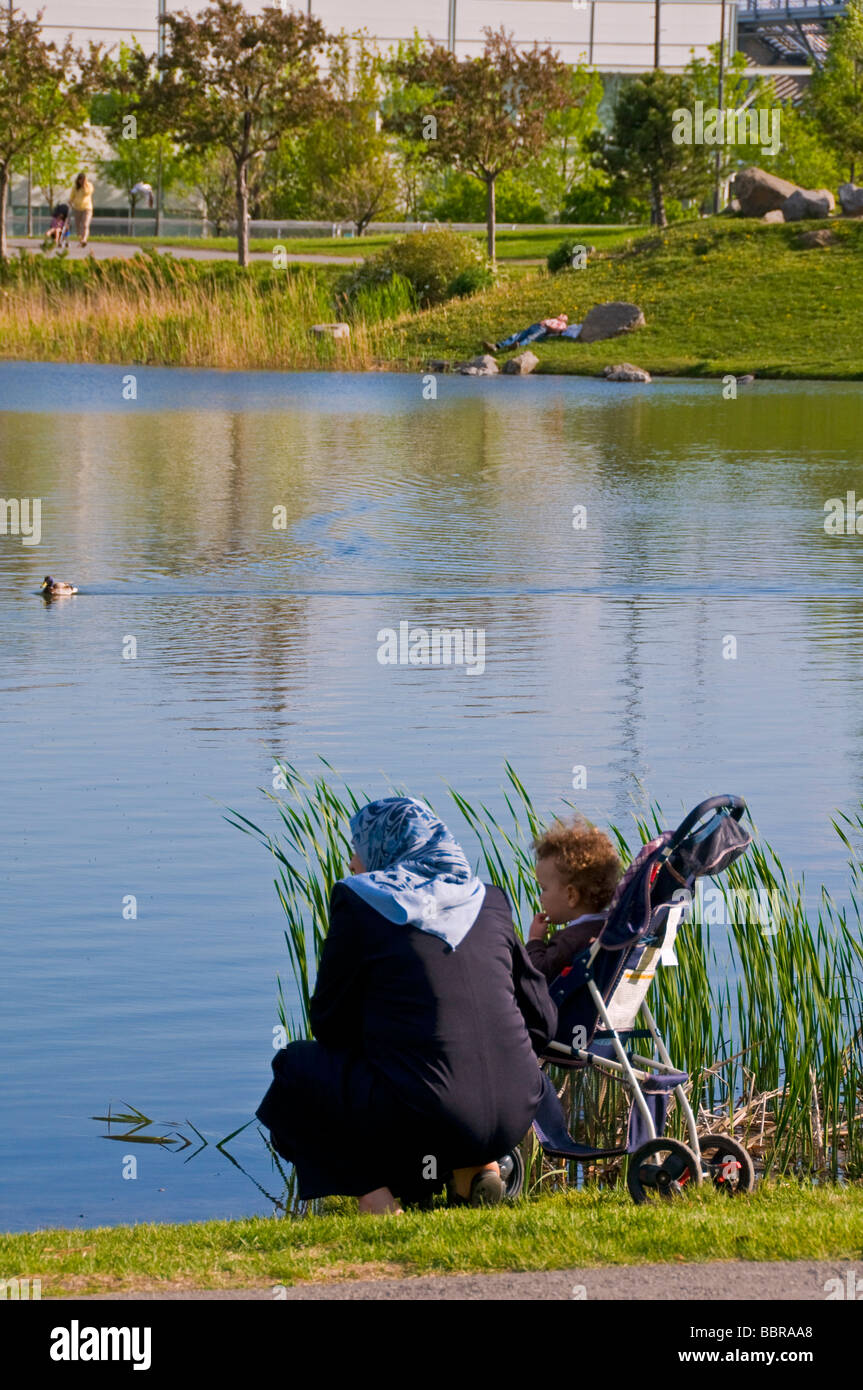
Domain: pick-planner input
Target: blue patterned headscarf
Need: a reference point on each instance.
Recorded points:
(416, 873)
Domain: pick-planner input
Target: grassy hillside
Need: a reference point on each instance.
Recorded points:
(722, 296)
(719, 296)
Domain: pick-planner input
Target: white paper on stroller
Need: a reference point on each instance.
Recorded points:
(667, 955)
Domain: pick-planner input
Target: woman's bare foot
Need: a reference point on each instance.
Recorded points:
(379, 1202)
(463, 1177)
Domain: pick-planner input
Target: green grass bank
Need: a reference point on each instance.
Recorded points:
(723, 296)
(719, 296)
(591, 1228)
(523, 243)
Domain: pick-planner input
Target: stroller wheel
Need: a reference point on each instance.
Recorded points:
(512, 1173)
(726, 1163)
(662, 1169)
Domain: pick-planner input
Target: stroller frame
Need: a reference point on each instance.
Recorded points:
(622, 1069)
(608, 984)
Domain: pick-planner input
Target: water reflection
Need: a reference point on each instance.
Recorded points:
(136, 1131)
(254, 640)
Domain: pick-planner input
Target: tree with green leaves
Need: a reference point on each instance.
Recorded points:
(835, 95)
(230, 80)
(211, 175)
(351, 172)
(135, 158)
(56, 161)
(43, 92)
(640, 152)
(565, 161)
(805, 155)
(481, 115)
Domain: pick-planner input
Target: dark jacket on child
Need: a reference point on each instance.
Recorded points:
(550, 957)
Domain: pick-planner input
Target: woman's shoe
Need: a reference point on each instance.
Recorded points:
(486, 1190)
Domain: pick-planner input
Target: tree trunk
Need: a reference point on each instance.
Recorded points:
(490, 216)
(658, 216)
(242, 215)
(4, 190)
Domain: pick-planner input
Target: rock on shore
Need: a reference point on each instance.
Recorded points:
(624, 371)
(484, 365)
(522, 365)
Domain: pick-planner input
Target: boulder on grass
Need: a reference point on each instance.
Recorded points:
(484, 365)
(624, 371)
(610, 320)
(775, 215)
(816, 236)
(758, 192)
(331, 330)
(522, 365)
(804, 203)
(851, 199)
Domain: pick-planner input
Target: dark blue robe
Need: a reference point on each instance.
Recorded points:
(424, 1059)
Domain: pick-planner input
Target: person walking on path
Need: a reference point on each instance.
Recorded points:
(81, 201)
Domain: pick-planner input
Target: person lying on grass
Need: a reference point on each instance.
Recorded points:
(536, 333)
(577, 869)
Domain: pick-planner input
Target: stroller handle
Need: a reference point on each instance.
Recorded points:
(735, 805)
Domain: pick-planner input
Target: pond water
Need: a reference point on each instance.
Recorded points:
(608, 646)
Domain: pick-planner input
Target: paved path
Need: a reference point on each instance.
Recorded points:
(119, 250)
(730, 1281)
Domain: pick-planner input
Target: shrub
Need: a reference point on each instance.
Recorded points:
(429, 261)
(561, 257)
(476, 277)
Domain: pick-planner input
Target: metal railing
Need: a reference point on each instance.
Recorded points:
(789, 9)
(193, 225)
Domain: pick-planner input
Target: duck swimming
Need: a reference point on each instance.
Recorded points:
(56, 586)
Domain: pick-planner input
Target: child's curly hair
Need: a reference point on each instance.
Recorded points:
(585, 857)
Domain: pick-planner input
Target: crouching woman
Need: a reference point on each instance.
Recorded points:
(427, 1016)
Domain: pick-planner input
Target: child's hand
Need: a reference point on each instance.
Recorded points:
(538, 927)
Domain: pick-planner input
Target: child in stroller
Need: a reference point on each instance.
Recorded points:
(599, 995)
(577, 869)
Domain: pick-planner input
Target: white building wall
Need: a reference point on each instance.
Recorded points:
(615, 35)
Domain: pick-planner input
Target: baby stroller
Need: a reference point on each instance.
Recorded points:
(599, 997)
(61, 226)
